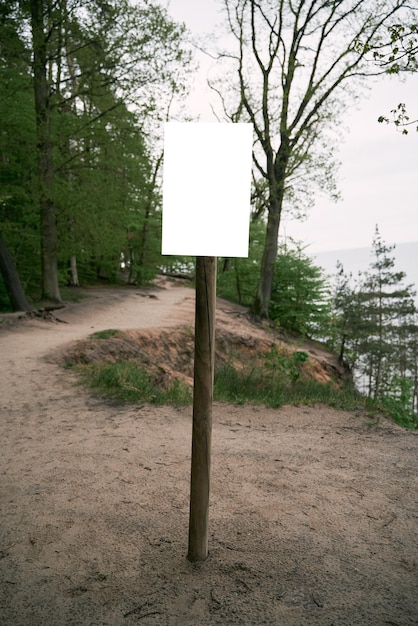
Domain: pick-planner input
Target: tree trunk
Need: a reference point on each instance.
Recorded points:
(342, 349)
(238, 283)
(147, 217)
(12, 281)
(131, 266)
(48, 226)
(74, 272)
(263, 295)
(276, 170)
(143, 244)
(226, 264)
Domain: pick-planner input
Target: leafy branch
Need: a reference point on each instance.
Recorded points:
(400, 118)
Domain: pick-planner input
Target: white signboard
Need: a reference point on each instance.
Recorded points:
(206, 189)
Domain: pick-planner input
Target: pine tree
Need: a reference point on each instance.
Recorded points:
(343, 328)
(386, 305)
(377, 324)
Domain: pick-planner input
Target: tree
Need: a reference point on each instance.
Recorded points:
(11, 279)
(300, 293)
(300, 299)
(19, 221)
(237, 277)
(387, 305)
(344, 319)
(42, 93)
(377, 321)
(295, 62)
(400, 119)
(144, 249)
(400, 58)
(101, 71)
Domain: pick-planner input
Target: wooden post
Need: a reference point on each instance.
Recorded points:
(204, 361)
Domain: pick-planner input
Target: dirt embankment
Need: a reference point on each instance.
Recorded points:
(167, 353)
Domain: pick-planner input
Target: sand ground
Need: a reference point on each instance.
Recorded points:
(313, 517)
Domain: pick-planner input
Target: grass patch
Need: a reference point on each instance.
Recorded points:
(264, 386)
(104, 334)
(126, 381)
(277, 389)
(273, 379)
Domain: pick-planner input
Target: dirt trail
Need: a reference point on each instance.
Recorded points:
(313, 511)
(22, 347)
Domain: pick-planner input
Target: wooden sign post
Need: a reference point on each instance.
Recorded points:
(206, 207)
(204, 365)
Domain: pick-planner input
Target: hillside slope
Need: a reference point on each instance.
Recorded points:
(168, 352)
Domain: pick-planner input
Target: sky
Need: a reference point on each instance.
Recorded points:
(378, 178)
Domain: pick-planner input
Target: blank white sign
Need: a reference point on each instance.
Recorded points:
(206, 189)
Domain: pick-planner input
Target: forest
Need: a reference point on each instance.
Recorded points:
(85, 87)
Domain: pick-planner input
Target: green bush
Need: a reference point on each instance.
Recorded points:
(284, 364)
(402, 415)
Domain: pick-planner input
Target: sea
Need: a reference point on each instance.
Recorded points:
(355, 260)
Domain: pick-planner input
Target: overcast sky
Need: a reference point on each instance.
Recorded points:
(378, 178)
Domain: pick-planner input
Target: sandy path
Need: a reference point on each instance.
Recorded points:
(313, 511)
(21, 350)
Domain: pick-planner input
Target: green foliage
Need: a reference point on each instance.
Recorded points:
(400, 55)
(300, 293)
(300, 299)
(400, 119)
(5, 306)
(112, 70)
(18, 214)
(376, 332)
(178, 265)
(399, 51)
(238, 277)
(287, 365)
(400, 413)
(399, 401)
(232, 385)
(127, 382)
